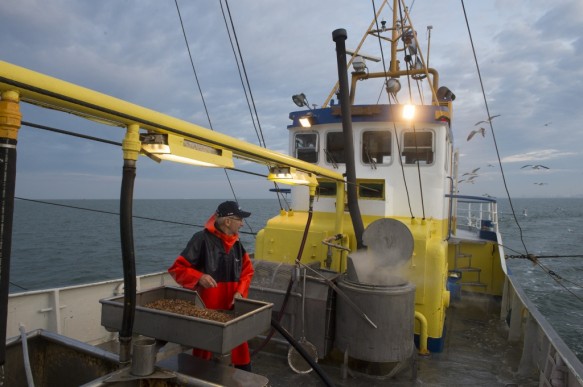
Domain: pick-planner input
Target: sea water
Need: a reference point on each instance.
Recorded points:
(73, 242)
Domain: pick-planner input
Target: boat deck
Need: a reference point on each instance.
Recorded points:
(476, 354)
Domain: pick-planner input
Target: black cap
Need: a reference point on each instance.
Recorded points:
(231, 208)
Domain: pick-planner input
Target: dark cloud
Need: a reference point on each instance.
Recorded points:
(529, 56)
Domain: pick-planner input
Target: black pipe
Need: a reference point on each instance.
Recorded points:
(128, 258)
(339, 36)
(7, 184)
(275, 324)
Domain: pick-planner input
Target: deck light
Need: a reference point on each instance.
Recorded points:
(300, 100)
(408, 112)
(174, 148)
(307, 120)
(291, 176)
(393, 85)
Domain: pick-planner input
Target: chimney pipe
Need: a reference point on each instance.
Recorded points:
(339, 36)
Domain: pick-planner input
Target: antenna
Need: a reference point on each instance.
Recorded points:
(365, 56)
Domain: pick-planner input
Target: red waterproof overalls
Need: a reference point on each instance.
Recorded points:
(223, 257)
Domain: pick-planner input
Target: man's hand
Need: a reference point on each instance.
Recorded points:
(206, 281)
(237, 295)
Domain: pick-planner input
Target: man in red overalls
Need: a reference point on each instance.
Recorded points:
(215, 264)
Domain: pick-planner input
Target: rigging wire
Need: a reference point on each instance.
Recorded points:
(192, 64)
(61, 131)
(243, 73)
(394, 124)
(202, 95)
(407, 65)
(551, 273)
(242, 70)
(109, 213)
(43, 127)
(492, 127)
(116, 213)
(529, 256)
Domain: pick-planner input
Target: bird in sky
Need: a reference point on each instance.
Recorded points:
(537, 166)
(476, 131)
(547, 123)
(488, 120)
(540, 183)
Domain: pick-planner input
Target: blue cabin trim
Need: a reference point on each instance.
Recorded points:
(370, 113)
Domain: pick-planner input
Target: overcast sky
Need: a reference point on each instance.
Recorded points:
(529, 52)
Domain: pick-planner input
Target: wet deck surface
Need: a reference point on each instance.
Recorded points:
(476, 354)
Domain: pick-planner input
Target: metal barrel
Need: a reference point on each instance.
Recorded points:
(391, 308)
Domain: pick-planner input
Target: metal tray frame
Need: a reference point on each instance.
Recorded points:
(254, 318)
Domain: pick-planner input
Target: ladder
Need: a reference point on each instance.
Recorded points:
(467, 268)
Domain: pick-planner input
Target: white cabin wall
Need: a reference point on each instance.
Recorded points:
(434, 177)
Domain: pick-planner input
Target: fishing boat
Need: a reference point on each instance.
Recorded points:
(378, 273)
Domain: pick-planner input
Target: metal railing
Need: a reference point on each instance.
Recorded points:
(472, 213)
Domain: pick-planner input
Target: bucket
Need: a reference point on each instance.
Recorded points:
(143, 357)
(454, 286)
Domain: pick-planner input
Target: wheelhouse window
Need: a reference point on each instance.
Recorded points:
(418, 147)
(334, 148)
(376, 147)
(326, 188)
(306, 147)
(371, 188)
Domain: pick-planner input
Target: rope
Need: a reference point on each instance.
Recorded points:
(492, 127)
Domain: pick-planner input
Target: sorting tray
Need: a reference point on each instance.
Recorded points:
(254, 318)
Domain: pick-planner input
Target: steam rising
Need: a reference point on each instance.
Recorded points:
(390, 245)
(376, 269)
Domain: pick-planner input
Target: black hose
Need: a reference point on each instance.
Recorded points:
(128, 258)
(275, 324)
(339, 36)
(7, 185)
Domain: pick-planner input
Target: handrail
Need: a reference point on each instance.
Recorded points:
(473, 223)
(469, 197)
(46, 91)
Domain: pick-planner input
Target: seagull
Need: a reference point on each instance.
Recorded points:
(476, 131)
(540, 183)
(538, 166)
(548, 123)
(488, 120)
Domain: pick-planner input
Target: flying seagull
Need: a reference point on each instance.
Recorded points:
(548, 123)
(540, 183)
(538, 166)
(488, 120)
(476, 131)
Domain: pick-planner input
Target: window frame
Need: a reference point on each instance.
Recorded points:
(417, 149)
(390, 147)
(316, 147)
